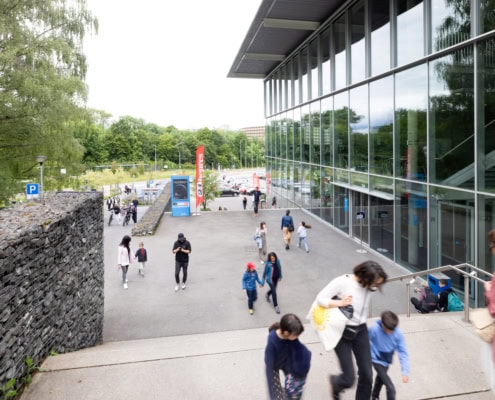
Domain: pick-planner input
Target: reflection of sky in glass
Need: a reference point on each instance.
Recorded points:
(340, 70)
(358, 61)
(380, 50)
(438, 85)
(410, 88)
(359, 106)
(381, 106)
(410, 35)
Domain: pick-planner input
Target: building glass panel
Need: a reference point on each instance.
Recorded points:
(341, 115)
(340, 52)
(358, 55)
(410, 26)
(451, 227)
(290, 134)
(381, 126)
(341, 215)
(380, 36)
(303, 64)
(451, 23)
(315, 132)
(276, 136)
(486, 116)
(296, 81)
(410, 123)
(306, 133)
(313, 65)
(269, 146)
(316, 185)
(382, 216)
(325, 62)
(359, 128)
(452, 119)
(411, 222)
(327, 131)
(297, 134)
(327, 197)
(487, 15)
(283, 136)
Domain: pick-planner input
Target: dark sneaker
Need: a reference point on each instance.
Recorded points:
(335, 395)
(267, 296)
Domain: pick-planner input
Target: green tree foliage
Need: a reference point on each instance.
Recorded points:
(41, 85)
(209, 187)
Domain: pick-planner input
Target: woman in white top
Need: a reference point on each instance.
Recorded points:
(124, 258)
(354, 290)
(261, 233)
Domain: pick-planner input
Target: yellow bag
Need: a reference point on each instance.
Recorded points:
(484, 324)
(329, 324)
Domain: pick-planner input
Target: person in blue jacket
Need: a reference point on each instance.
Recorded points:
(249, 280)
(272, 274)
(285, 352)
(385, 339)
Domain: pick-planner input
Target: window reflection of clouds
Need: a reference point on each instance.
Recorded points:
(410, 88)
(359, 106)
(410, 35)
(380, 54)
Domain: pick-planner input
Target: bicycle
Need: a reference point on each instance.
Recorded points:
(127, 218)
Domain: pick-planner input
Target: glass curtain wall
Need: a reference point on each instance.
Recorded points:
(412, 148)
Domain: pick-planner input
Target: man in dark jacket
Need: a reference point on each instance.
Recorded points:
(182, 249)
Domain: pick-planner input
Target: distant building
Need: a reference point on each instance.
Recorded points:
(254, 132)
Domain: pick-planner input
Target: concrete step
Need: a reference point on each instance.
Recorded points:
(447, 360)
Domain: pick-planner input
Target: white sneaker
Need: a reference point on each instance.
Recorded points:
(125, 286)
(183, 286)
(262, 262)
(176, 287)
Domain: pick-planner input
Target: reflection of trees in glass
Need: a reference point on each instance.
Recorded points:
(456, 27)
(343, 117)
(381, 151)
(453, 113)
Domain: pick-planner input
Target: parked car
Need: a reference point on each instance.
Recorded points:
(228, 192)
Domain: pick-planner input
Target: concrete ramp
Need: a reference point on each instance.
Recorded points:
(448, 360)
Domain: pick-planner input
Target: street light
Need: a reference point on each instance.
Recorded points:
(178, 148)
(41, 160)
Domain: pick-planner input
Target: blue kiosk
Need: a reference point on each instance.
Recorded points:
(181, 202)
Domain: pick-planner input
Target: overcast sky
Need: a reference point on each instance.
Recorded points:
(167, 62)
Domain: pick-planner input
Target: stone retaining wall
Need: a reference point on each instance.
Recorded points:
(149, 222)
(51, 279)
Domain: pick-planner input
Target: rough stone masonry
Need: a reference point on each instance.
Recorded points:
(51, 279)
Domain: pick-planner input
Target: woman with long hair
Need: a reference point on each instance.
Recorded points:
(124, 258)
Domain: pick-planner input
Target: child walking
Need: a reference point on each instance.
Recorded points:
(285, 352)
(124, 258)
(249, 280)
(385, 339)
(142, 257)
(302, 231)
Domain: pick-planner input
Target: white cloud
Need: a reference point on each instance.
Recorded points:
(167, 62)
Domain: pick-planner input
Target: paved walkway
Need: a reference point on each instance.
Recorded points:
(201, 343)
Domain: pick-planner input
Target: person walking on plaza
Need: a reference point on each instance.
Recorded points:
(249, 280)
(142, 257)
(260, 234)
(256, 199)
(353, 290)
(302, 232)
(272, 274)
(284, 352)
(244, 202)
(385, 339)
(124, 258)
(287, 227)
(181, 249)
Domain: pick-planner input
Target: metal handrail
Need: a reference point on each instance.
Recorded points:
(458, 268)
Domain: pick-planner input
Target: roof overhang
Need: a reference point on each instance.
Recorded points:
(278, 28)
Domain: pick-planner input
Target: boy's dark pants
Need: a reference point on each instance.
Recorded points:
(382, 379)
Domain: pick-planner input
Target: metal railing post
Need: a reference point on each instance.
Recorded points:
(466, 298)
(408, 295)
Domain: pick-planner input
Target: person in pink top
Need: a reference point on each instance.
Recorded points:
(490, 286)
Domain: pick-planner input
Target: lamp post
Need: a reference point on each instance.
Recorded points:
(41, 160)
(178, 148)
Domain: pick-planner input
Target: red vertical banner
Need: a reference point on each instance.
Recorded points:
(200, 162)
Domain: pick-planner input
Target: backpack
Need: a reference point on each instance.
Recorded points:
(454, 303)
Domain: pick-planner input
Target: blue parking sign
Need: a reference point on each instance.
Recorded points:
(32, 189)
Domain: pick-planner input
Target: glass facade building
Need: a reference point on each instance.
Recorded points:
(388, 109)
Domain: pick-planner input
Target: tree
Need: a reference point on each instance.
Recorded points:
(209, 187)
(41, 85)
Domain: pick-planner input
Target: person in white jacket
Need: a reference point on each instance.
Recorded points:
(302, 232)
(124, 258)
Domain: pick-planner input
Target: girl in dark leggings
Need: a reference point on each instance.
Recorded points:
(272, 275)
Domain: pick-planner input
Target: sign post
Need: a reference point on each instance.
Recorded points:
(32, 190)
